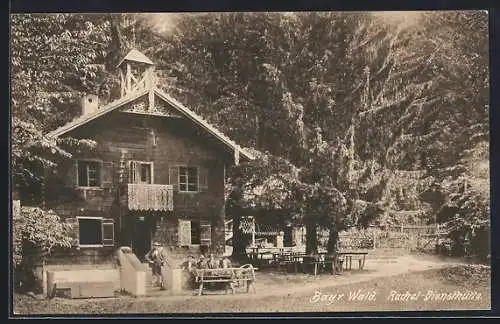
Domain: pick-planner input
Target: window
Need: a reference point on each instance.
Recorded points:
(141, 172)
(95, 231)
(195, 232)
(89, 173)
(188, 179)
(145, 173)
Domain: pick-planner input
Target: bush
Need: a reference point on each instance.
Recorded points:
(471, 274)
(36, 233)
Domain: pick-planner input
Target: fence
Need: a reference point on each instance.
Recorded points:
(411, 237)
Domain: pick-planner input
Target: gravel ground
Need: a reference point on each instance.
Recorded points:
(408, 284)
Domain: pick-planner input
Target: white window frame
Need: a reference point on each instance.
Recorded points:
(151, 164)
(100, 162)
(78, 218)
(187, 179)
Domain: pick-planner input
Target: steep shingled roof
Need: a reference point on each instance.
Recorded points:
(136, 56)
(80, 121)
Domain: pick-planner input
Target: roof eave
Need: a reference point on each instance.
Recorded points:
(242, 153)
(199, 120)
(100, 112)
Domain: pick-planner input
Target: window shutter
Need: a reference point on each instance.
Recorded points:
(173, 175)
(202, 178)
(108, 232)
(73, 230)
(206, 233)
(132, 174)
(107, 174)
(184, 232)
(73, 174)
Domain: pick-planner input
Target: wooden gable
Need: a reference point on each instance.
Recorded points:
(151, 105)
(155, 103)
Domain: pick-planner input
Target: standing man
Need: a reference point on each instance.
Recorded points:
(157, 258)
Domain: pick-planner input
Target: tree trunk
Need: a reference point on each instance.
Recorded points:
(27, 275)
(333, 238)
(240, 240)
(311, 236)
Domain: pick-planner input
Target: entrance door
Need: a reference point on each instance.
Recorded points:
(141, 237)
(288, 239)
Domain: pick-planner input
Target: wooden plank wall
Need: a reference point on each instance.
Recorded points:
(125, 136)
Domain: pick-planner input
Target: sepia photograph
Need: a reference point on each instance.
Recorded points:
(249, 162)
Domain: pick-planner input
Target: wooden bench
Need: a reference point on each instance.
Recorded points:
(228, 276)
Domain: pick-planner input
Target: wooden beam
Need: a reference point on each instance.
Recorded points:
(122, 83)
(151, 113)
(151, 100)
(236, 156)
(128, 76)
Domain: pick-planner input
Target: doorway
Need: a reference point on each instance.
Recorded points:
(288, 236)
(141, 237)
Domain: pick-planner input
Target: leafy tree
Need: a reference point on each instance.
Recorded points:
(36, 233)
(466, 210)
(289, 77)
(55, 58)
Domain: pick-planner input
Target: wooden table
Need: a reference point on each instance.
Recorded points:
(348, 258)
(322, 261)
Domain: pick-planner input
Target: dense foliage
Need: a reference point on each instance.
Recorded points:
(36, 233)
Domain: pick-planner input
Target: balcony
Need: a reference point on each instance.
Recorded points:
(152, 197)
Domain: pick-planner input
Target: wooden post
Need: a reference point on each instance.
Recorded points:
(151, 101)
(122, 83)
(236, 156)
(437, 233)
(279, 240)
(129, 78)
(437, 237)
(149, 78)
(253, 231)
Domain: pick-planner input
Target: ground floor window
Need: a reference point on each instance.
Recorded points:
(194, 232)
(95, 231)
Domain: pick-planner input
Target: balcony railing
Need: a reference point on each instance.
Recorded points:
(153, 197)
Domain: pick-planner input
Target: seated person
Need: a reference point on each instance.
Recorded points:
(189, 265)
(202, 263)
(212, 262)
(225, 262)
